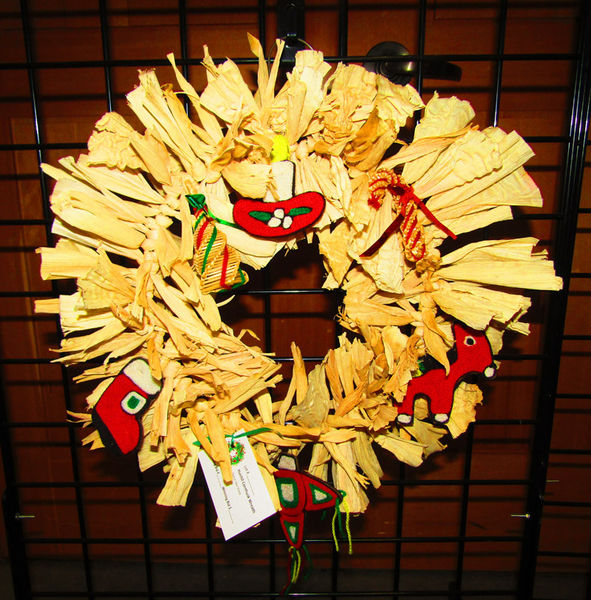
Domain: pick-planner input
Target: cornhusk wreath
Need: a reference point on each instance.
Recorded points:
(146, 288)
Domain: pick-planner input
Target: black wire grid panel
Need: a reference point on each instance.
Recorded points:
(212, 580)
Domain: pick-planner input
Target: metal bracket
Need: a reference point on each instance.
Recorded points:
(291, 28)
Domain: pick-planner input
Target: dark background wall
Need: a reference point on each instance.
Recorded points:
(519, 62)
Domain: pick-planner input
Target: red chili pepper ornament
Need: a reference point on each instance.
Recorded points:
(270, 218)
(279, 219)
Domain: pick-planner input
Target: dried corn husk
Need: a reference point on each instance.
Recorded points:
(181, 475)
(125, 236)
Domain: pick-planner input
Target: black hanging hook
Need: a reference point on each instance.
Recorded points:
(399, 70)
(291, 28)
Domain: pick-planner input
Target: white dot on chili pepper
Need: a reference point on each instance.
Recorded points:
(287, 222)
(279, 213)
(274, 222)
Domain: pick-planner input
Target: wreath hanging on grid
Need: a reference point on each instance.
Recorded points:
(158, 227)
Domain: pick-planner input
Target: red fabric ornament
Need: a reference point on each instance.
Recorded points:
(300, 492)
(116, 415)
(278, 219)
(474, 356)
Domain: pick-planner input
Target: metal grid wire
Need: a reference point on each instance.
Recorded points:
(199, 554)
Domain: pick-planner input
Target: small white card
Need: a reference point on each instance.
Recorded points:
(246, 501)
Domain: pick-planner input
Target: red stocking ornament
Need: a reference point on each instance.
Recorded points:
(116, 414)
